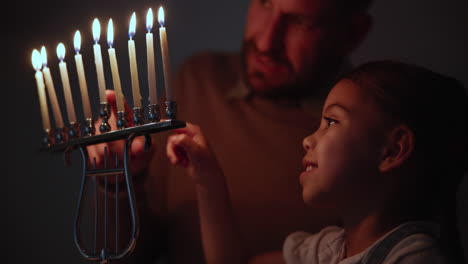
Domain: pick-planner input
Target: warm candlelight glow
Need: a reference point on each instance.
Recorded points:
(44, 56)
(98, 61)
(132, 27)
(96, 30)
(133, 63)
(37, 64)
(66, 84)
(114, 68)
(51, 90)
(165, 54)
(161, 16)
(81, 76)
(77, 41)
(150, 59)
(61, 51)
(36, 60)
(110, 33)
(149, 20)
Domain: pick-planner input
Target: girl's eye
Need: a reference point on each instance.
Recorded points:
(330, 121)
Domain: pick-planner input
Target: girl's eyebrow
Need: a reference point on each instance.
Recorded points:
(336, 105)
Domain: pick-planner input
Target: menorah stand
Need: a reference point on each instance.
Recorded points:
(103, 254)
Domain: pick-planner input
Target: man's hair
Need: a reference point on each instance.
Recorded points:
(435, 108)
(354, 7)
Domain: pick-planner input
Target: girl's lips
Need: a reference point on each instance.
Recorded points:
(309, 167)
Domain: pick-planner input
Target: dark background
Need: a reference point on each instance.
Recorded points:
(42, 191)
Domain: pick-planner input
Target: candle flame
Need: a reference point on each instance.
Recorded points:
(36, 60)
(149, 20)
(132, 28)
(61, 51)
(110, 33)
(77, 41)
(44, 56)
(96, 30)
(161, 16)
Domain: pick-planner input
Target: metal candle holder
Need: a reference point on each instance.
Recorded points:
(138, 116)
(104, 113)
(171, 109)
(47, 138)
(60, 135)
(89, 127)
(121, 121)
(74, 130)
(67, 142)
(153, 113)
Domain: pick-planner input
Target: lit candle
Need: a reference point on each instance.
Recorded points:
(36, 62)
(81, 76)
(133, 63)
(115, 68)
(51, 90)
(98, 61)
(66, 84)
(165, 54)
(153, 99)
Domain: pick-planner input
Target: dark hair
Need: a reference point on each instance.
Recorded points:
(435, 108)
(356, 6)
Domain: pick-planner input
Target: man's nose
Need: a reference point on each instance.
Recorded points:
(270, 38)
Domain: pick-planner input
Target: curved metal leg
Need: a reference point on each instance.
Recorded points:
(104, 254)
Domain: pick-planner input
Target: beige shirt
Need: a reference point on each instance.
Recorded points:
(258, 143)
(328, 247)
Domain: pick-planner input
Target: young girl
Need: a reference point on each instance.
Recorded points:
(388, 157)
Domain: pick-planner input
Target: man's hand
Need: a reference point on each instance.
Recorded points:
(138, 156)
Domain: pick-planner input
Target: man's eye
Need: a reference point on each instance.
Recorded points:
(266, 3)
(330, 121)
(303, 22)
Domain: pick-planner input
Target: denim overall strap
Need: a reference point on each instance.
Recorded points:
(378, 253)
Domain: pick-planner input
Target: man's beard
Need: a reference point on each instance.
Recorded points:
(295, 86)
(283, 89)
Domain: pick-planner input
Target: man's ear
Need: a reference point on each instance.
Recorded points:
(360, 27)
(398, 148)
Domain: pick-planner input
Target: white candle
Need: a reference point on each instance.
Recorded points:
(165, 55)
(66, 84)
(51, 90)
(98, 61)
(81, 76)
(115, 68)
(36, 61)
(133, 63)
(153, 99)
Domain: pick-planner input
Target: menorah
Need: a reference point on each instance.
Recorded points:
(67, 138)
(90, 171)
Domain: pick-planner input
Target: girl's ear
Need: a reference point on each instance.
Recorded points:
(399, 146)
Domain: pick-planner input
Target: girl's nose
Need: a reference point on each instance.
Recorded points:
(309, 142)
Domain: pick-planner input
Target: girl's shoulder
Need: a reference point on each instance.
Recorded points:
(322, 247)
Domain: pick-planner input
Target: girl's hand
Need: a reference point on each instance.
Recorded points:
(188, 148)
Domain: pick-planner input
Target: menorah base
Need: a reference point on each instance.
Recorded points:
(111, 249)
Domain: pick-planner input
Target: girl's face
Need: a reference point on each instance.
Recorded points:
(343, 155)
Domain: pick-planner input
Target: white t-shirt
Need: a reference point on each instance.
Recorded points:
(328, 246)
